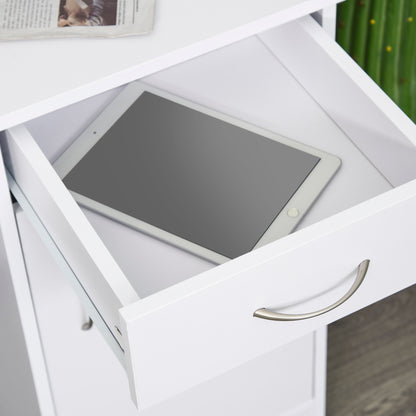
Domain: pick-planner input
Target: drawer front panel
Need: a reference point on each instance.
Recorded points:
(204, 326)
(87, 379)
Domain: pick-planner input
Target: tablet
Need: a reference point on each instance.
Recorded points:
(201, 180)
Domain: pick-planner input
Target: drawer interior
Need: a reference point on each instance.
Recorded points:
(249, 80)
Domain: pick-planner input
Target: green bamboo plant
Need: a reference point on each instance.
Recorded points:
(381, 36)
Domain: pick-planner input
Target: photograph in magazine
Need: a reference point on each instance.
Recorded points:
(30, 19)
(87, 13)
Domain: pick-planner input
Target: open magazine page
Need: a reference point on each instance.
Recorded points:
(24, 19)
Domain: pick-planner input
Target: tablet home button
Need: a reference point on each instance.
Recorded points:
(293, 212)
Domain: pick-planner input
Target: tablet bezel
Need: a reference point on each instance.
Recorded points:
(283, 224)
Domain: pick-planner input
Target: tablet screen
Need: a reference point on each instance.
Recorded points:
(195, 176)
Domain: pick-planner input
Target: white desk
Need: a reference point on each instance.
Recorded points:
(377, 144)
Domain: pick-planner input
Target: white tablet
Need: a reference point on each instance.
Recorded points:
(191, 176)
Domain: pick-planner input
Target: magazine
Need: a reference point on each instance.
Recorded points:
(29, 19)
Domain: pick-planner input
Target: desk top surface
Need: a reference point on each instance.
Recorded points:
(40, 76)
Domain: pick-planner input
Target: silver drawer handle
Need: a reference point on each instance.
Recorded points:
(265, 313)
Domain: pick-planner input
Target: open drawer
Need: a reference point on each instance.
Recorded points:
(175, 320)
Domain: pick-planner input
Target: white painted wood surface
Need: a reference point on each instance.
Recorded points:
(72, 234)
(71, 93)
(327, 19)
(87, 379)
(349, 96)
(25, 370)
(39, 76)
(189, 333)
(202, 327)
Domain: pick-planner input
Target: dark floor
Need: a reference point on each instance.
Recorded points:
(372, 360)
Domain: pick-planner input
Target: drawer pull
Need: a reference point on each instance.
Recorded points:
(265, 313)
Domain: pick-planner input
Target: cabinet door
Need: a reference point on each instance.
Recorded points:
(23, 371)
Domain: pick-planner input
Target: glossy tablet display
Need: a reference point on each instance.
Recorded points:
(198, 179)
